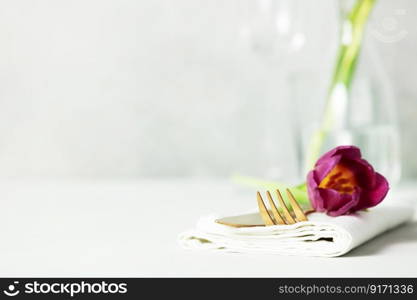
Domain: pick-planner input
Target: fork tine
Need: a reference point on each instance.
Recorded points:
(287, 215)
(264, 211)
(300, 216)
(275, 212)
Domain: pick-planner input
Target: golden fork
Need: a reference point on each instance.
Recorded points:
(268, 217)
(278, 218)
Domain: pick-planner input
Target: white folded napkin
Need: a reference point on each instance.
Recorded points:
(321, 235)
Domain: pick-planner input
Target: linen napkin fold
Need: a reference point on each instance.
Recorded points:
(321, 235)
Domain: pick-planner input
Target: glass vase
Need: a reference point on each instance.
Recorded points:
(363, 115)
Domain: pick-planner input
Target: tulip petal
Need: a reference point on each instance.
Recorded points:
(364, 172)
(312, 191)
(373, 197)
(348, 152)
(338, 204)
(321, 170)
(311, 182)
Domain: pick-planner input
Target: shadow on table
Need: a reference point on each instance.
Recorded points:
(406, 233)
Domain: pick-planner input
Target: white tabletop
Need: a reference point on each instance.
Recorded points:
(129, 229)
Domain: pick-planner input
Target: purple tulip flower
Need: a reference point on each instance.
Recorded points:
(342, 182)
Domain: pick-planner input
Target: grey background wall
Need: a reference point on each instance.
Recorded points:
(106, 88)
